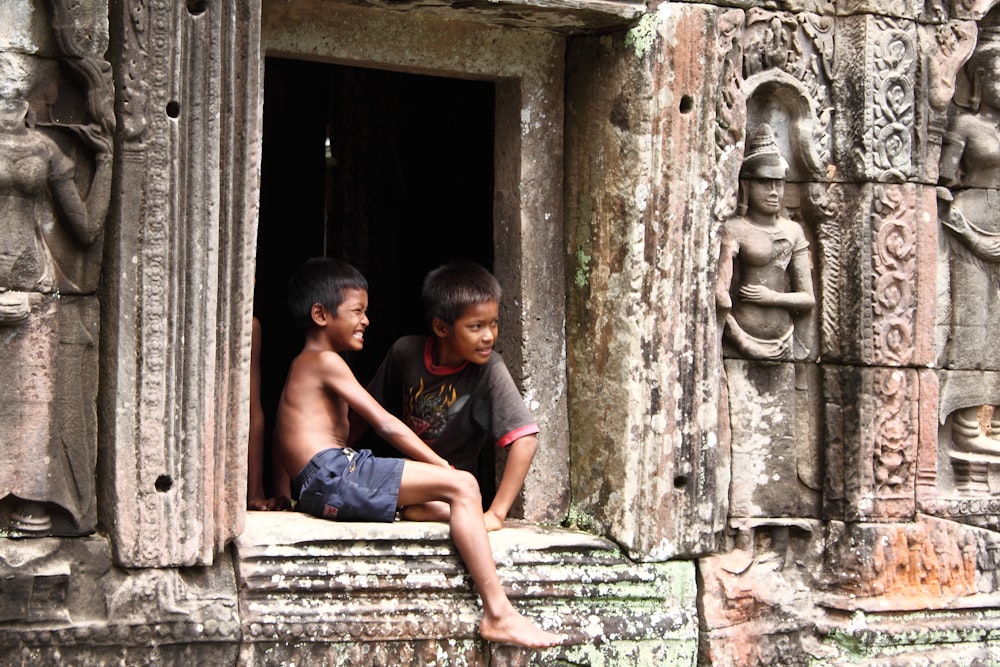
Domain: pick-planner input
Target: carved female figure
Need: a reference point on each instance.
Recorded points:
(765, 271)
(46, 225)
(969, 212)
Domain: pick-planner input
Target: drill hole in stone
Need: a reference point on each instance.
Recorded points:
(163, 483)
(680, 481)
(687, 104)
(196, 7)
(173, 109)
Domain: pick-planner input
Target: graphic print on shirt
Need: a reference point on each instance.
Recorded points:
(427, 411)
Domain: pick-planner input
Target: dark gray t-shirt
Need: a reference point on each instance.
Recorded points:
(454, 409)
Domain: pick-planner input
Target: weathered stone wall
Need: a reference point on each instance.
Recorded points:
(854, 356)
(772, 230)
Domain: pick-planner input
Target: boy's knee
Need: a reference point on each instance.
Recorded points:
(466, 484)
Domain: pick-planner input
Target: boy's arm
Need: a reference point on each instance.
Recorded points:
(256, 498)
(519, 457)
(358, 428)
(340, 379)
(377, 388)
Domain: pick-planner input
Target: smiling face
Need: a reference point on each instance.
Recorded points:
(346, 330)
(471, 337)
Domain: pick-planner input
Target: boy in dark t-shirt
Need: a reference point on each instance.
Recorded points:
(454, 390)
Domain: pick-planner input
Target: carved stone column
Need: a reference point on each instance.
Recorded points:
(174, 393)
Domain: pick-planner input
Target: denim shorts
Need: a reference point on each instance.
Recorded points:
(348, 485)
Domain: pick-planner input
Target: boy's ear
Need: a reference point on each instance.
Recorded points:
(319, 314)
(440, 328)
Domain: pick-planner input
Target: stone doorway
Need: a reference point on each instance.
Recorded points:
(478, 155)
(392, 172)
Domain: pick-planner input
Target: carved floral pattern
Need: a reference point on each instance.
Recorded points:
(893, 277)
(893, 448)
(893, 59)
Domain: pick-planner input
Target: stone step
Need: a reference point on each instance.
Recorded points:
(312, 590)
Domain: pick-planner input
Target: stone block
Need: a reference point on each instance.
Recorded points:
(776, 455)
(877, 247)
(178, 282)
(872, 435)
(926, 564)
(63, 600)
(876, 124)
(643, 149)
(959, 460)
(48, 417)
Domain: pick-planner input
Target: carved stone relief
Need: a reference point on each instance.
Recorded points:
(765, 296)
(56, 124)
(968, 321)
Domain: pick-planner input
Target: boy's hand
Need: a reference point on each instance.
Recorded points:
(492, 521)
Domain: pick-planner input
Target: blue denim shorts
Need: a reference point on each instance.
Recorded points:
(348, 485)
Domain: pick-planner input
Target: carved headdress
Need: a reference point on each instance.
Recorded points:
(762, 158)
(979, 66)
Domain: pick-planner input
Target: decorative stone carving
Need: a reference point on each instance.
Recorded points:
(872, 434)
(945, 49)
(55, 186)
(177, 317)
(969, 275)
(765, 286)
(62, 600)
(775, 444)
(786, 75)
(876, 124)
(765, 259)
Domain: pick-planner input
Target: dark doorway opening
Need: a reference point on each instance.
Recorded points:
(391, 172)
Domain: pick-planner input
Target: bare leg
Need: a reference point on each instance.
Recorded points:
(501, 622)
(437, 510)
(434, 510)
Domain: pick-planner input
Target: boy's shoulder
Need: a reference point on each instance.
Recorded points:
(318, 362)
(410, 345)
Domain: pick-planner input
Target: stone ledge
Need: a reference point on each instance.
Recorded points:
(298, 590)
(310, 588)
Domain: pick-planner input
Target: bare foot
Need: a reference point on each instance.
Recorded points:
(518, 630)
(276, 504)
(492, 521)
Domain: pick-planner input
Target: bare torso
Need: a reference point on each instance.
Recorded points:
(310, 417)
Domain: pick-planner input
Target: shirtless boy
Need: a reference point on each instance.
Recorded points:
(329, 299)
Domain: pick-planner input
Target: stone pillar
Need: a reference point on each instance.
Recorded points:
(648, 466)
(178, 294)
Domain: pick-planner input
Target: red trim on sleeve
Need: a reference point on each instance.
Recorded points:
(508, 439)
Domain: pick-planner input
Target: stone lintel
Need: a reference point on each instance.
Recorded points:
(573, 16)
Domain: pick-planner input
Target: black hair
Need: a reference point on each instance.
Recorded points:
(321, 280)
(451, 288)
